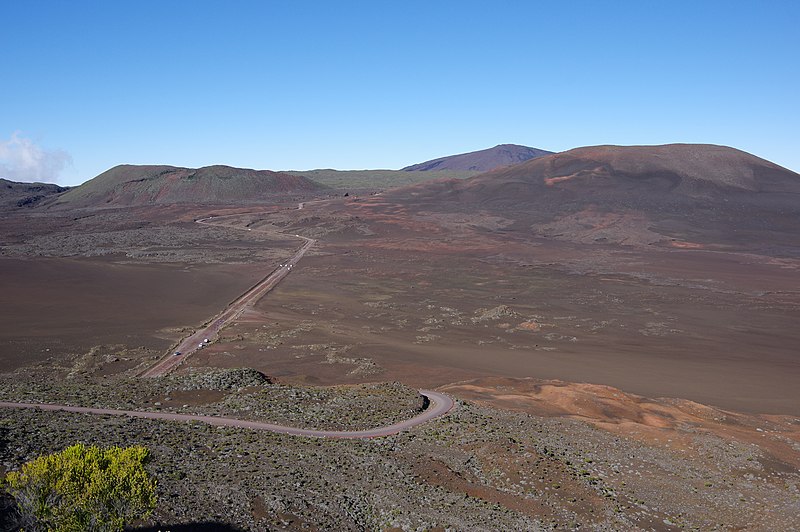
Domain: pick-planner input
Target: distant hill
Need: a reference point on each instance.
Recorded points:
(687, 170)
(633, 195)
(17, 195)
(376, 180)
(483, 160)
(132, 185)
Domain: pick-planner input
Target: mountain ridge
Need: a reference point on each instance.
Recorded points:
(131, 185)
(481, 160)
(699, 194)
(14, 194)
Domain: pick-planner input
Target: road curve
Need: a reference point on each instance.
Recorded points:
(439, 405)
(196, 340)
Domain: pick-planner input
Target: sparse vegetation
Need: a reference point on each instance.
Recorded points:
(478, 467)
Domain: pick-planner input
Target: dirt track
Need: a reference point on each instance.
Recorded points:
(197, 340)
(440, 405)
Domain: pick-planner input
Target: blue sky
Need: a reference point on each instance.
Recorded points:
(300, 85)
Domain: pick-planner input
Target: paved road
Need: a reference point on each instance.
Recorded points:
(439, 405)
(196, 341)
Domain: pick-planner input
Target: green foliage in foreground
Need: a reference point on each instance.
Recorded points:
(83, 488)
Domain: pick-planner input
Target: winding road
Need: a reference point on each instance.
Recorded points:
(439, 405)
(197, 340)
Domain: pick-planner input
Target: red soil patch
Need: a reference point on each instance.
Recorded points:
(652, 421)
(686, 245)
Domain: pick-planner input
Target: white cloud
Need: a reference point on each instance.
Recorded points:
(22, 160)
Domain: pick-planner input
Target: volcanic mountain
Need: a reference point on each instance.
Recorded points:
(632, 195)
(132, 185)
(483, 160)
(13, 194)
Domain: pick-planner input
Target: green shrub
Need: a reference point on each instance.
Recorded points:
(83, 488)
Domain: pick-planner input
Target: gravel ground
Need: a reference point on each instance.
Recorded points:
(477, 468)
(235, 393)
(186, 243)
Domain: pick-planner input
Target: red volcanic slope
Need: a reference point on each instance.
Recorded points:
(131, 185)
(607, 172)
(688, 168)
(713, 193)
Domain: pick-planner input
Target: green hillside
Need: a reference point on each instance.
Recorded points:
(373, 180)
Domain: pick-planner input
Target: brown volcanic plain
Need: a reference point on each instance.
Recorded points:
(649, 269)
(665, 277)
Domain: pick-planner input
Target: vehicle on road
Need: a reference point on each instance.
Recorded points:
(247, 299)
